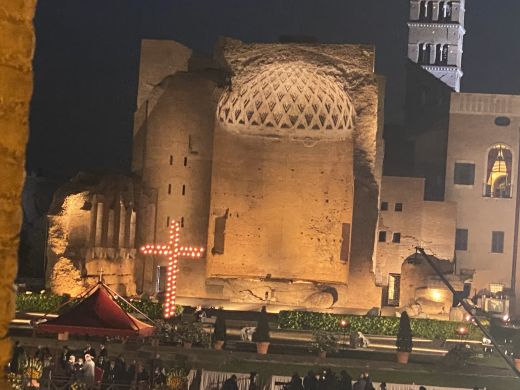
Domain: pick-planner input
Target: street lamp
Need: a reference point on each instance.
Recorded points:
(343, 325)
(462, 331)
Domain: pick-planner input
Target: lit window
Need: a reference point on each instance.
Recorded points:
(496, 287)
(396, 238)
(398, 207)
(384, 206)
(394, 282)
(497, 242)
(464, 174)
(382, 236)
(461, 239)
(498, 177)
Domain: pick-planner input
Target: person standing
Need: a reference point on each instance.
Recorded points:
(295, 383)
(89, 372)
(361, 383)
(230, 383)
(345, 381)
(17, 358)
(310, 382)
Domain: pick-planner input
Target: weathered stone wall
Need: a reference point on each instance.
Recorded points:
(92, 229)
(427, 224)
(283, 206)
(16, 51)
(158, 60)
(179, 144)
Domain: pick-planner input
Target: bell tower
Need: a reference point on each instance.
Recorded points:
(435, 37)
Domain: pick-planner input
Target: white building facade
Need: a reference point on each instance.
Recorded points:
(481, 177)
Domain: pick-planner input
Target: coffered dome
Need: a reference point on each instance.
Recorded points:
(290, 99)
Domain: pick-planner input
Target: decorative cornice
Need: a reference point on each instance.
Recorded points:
(444, 68)
(439, 25)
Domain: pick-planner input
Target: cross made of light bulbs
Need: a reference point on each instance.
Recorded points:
(173, 250)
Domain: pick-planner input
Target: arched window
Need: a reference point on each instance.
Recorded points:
(426, 11)
(424, 53)
(498, 175)
(445, 11)
(444, 56)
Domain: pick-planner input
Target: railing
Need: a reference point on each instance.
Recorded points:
(503, 192)
(65, 383)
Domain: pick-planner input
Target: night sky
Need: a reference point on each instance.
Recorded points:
(87, 55)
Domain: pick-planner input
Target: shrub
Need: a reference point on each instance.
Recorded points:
(191, 332)
(459, 356)
(325, 341)
(404, 335)
(43, 302)
(262, 330)
(384, 326)
(220, 328)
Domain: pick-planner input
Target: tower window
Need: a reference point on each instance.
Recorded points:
(182, 222)
(169, 189)
(461, 239)
(396, 238)
(424, 53)
(384, 206)
(497, 242)
(171, 159)
(445, 8)
(167, 221)
(185, 161)
(441, 54)
(184, 189)
(498, 176)
(382, 236)
(426, 11)
(398, 207)
(464, 174)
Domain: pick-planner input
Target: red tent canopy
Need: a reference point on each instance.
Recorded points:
(97, 314)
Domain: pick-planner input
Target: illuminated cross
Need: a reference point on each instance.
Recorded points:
(173, 251)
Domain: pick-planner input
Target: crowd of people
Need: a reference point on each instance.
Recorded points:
(90, 367)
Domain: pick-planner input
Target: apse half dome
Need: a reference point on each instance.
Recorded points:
(292, 99)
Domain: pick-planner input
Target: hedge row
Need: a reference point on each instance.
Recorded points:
(45, 302)
(42, 303)
(385, 326)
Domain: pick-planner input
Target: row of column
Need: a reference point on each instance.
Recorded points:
(112, 227)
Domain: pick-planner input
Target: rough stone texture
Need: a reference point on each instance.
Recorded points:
(16, 51)
(274, 170)
(92, 228)
(428, 224)
(178, 154)
(423, 294)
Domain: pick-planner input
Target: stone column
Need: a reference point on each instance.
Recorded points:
(16, 51)
(99, 224)
(131, 243)
(111, 229)
(122, 220)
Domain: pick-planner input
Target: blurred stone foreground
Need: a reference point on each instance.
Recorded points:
(16, 83)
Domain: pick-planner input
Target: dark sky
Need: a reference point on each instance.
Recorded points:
(87, 54)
